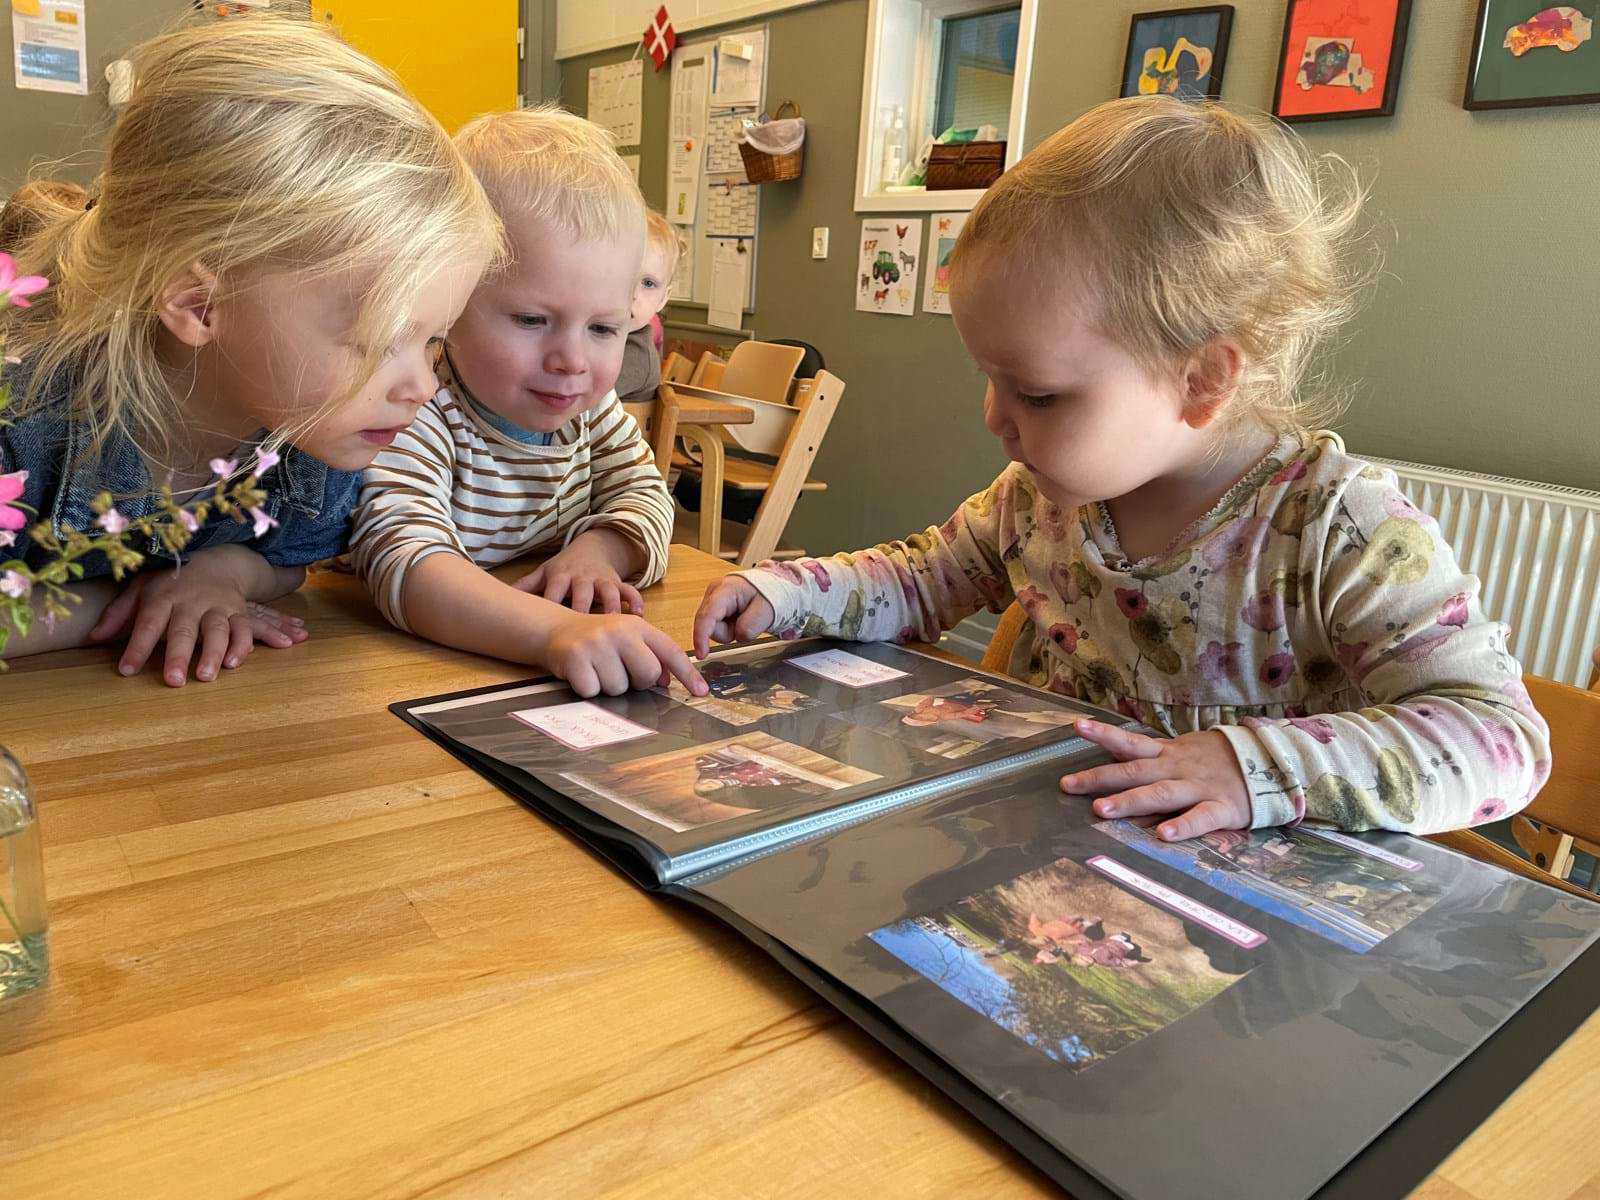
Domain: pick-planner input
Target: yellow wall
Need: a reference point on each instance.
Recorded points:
(458, 65)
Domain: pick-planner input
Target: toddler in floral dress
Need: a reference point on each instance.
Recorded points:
(1144, 292)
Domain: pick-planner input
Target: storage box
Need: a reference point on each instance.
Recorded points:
(968, 165)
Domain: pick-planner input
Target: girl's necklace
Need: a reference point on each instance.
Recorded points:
(1269, 464)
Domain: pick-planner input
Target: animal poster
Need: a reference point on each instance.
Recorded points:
(942, 235)
(1353, 899)
(1340, 58)
(891, 252)
(701, 785)
(1064, 958)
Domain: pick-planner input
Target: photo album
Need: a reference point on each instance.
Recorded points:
(1276, 1012)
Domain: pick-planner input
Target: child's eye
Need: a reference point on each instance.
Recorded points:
(604, 331)
(528, 320)
(647, 282)
(1035, 401)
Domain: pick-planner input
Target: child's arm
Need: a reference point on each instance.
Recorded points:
(451, 600)
(627, 496)
(899, 591)
(1450, 738)
(215, 600)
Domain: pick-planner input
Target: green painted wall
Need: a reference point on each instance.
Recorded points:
(1479, 350)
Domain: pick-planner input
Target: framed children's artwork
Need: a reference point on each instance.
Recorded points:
(1179, 52)
(1526, 57)
(1340, 58)
(943, 230)
(890, 252)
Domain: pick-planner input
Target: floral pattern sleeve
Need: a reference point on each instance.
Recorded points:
(1448, 737)
(911, 589)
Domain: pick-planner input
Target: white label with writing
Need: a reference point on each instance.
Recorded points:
(846, 668)
(1184, 906)
(581, 725)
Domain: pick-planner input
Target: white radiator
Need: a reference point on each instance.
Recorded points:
(1535, 546)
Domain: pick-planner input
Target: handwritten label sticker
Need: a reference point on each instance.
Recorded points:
(1184, 906)
(581, 725)
(847, 669)
(1361, 847)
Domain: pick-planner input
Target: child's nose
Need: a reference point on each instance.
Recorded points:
(417, 383)
(996, 418)
(566, 357)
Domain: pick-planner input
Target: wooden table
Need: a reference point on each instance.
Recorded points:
(299, 951)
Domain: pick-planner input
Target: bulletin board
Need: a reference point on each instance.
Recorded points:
(726, 205)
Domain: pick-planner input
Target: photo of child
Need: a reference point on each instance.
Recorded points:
(1064, 959)
(1352, 899)
(701, 785)
(742, 694)
(961, 717)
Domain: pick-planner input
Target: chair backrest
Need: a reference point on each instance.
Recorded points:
(997, 658)
(1568, 801)
(709, 370)
(817, 399)
(761, 370)
(675, 368)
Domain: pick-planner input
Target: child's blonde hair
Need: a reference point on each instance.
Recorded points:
(557, 168)
(253, 141)
(36, 205)
(661, 236)
(1191, 222)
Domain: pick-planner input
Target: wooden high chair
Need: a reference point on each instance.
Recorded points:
(658, 418)
(1564, 816)
(789, 433)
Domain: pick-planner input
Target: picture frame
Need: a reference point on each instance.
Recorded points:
(1177, 51)
(1550, 65)
(1333, 68)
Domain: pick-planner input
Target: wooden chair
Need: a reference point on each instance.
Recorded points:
(658, 418)
(1564, 816)
(789, 433)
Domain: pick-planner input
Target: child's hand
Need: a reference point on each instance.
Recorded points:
(611, 653)
(731, 611)
(204, 601)
(1195, 775)
(585, 576)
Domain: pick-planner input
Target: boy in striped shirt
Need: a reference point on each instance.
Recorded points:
(524, 450)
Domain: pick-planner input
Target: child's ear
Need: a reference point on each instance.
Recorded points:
(187, 306)
(1210, 380)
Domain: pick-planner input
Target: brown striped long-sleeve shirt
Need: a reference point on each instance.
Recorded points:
(453, 484)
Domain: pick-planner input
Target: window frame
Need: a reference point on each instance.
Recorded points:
(923, 99)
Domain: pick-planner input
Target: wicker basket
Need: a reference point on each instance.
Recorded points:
(966, 165)
(760, 167)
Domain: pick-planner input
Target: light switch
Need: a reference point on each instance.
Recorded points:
(819, 242)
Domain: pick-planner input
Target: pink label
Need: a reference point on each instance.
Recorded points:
(581, 725)
(848, 669)
(1184, 906)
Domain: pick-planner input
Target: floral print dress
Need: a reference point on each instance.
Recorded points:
(1315, 618)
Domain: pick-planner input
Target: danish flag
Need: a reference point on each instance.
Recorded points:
(660, 38)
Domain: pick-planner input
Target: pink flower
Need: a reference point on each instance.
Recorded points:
(908, 586)
(1421, 645)
(1488, 811)
(1132, 602)
(1235, 548)
(1264, 611)
(112, 522)
(1396, 505)
(1065, 636)
(265, 460)
(187, 520)
(223, 468)
(1315, 726)
(262, 522)
(1278, 669)
(1454, 611)
(1350, 655)
(1500, 744)
(7, 538)
(1293, 471)
(818, 572)
(15, 584)
(12, 517)
(1128, 707)
(13, 288)
(1031, 599)
(1221, 663)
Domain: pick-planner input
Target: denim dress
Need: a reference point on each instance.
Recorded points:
(310, 501)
